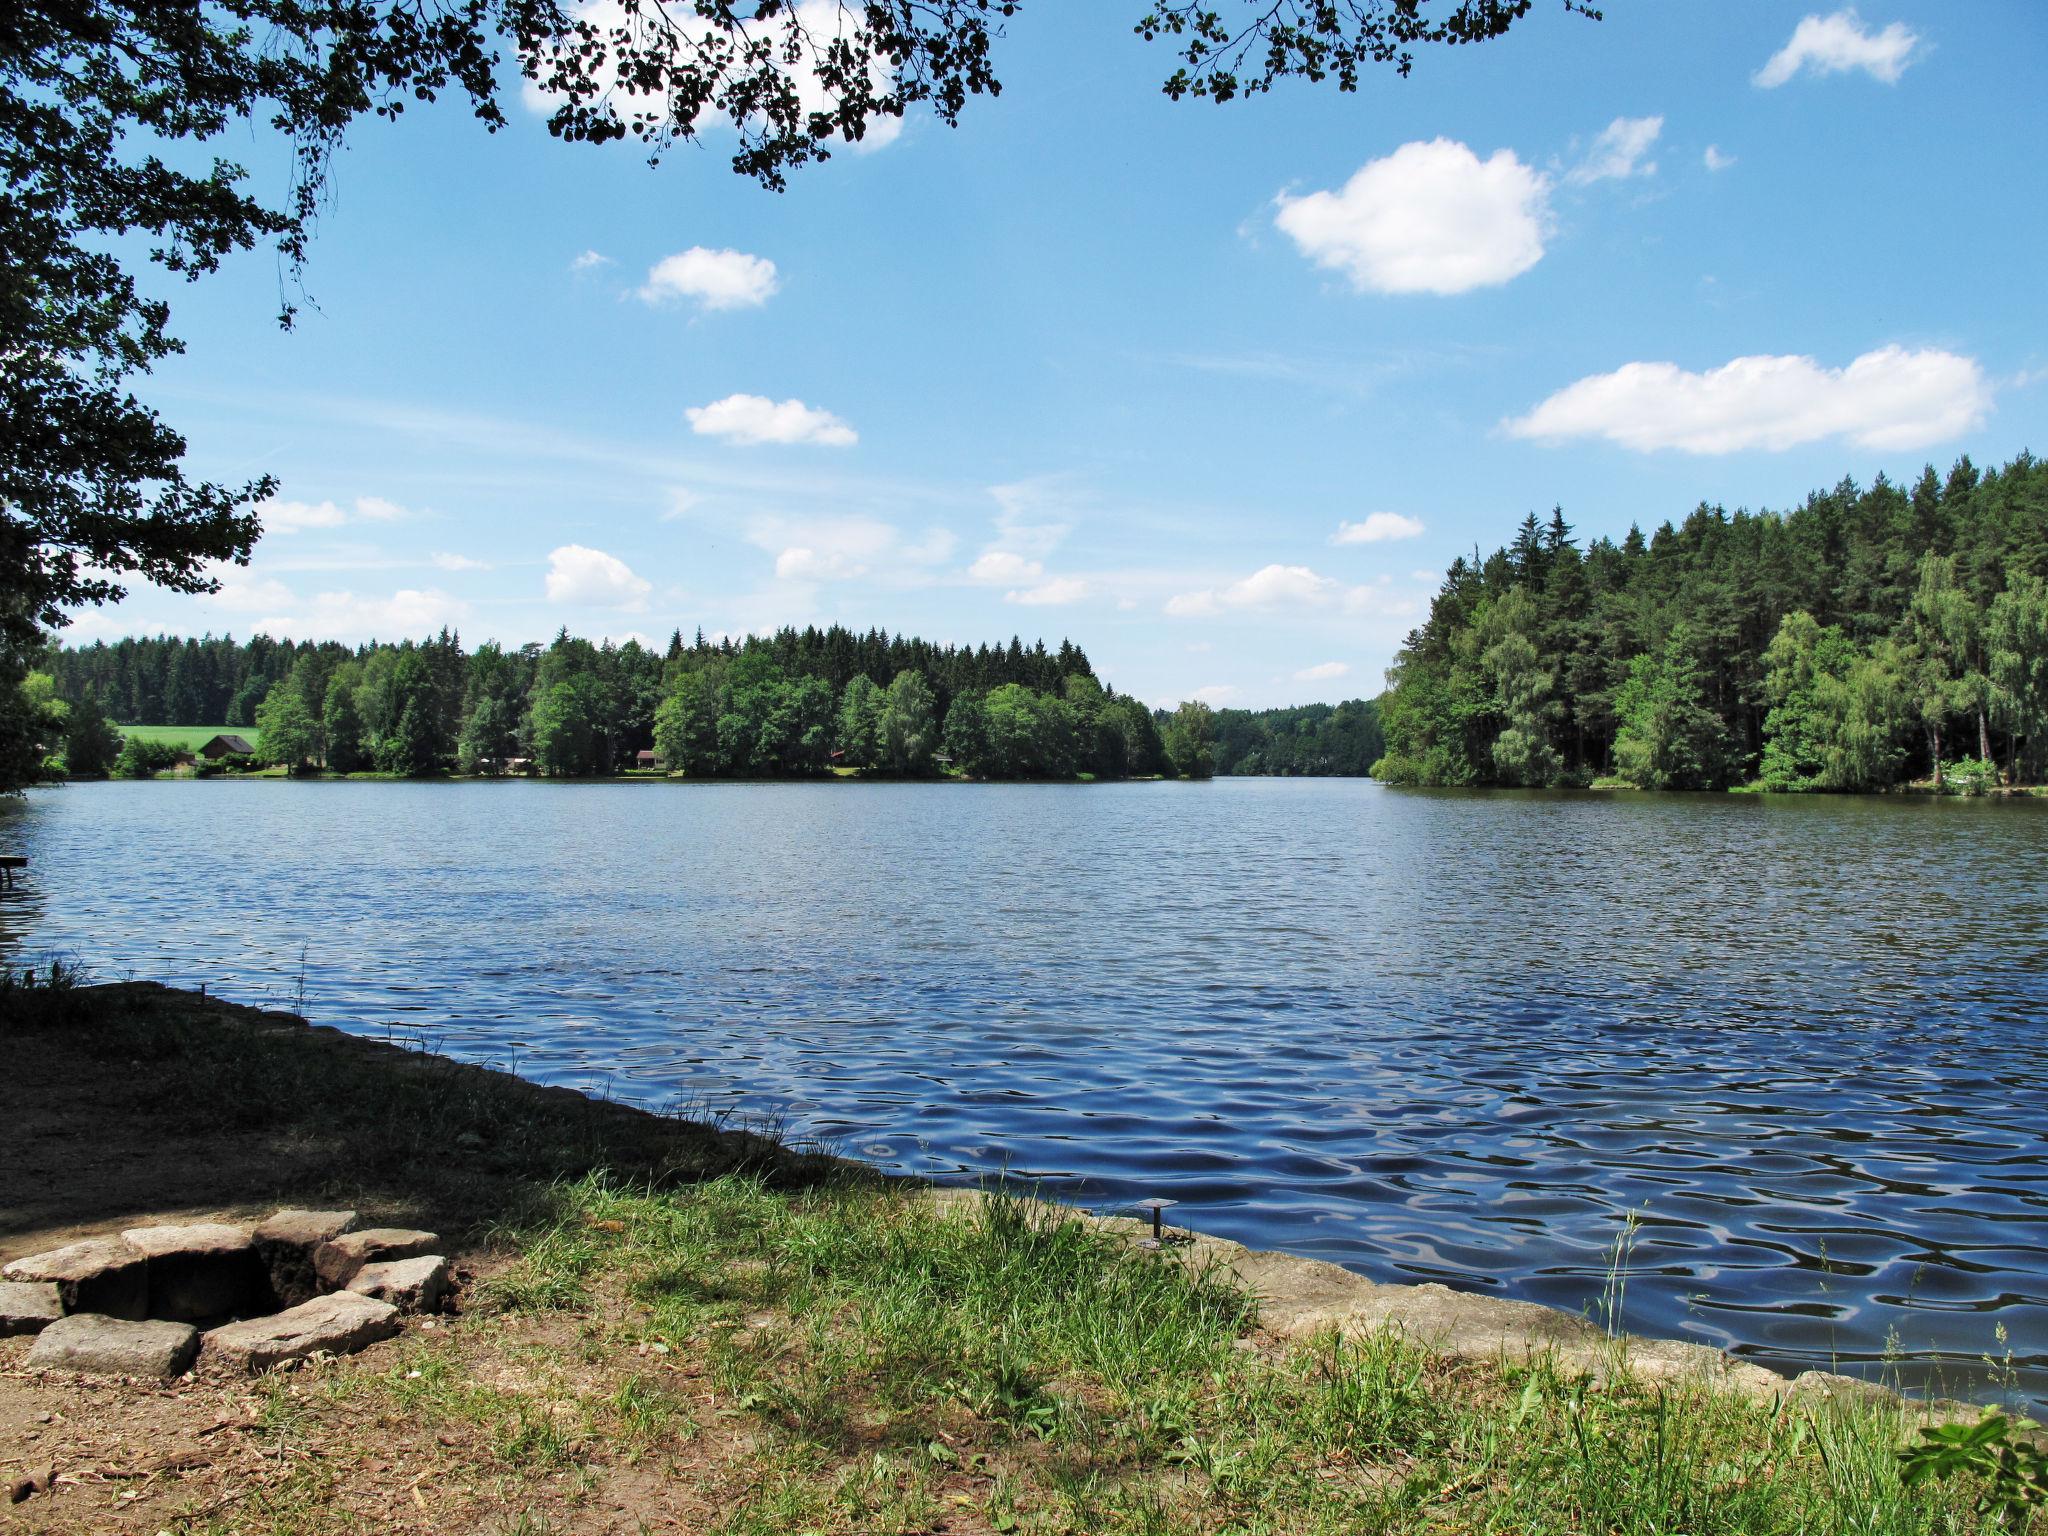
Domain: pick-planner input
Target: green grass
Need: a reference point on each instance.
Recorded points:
(889, 1361)
(191, 737)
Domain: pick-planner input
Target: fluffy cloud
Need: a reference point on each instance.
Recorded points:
(1378, 528)
(594, 579)
(299, 516)
(1216, 693)
(1001, 567)
(1270, 586)
(1322, 672)
(1715, 160)
(243, 592)
(757, 419)
(1831, 45)
(1617, 153)
(1057, 593)
(453, 562)
(589, 260)
(1888, 399)
(845, 548)
(715, 279)
(354, 617)
(1429, 218)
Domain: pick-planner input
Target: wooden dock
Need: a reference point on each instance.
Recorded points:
(9, 863)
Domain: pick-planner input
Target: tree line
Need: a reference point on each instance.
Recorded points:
(797, 702)
(1866, 639)
(1306, 741)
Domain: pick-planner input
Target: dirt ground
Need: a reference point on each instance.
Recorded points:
(129, 1105)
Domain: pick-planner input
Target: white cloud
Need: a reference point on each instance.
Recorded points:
(715, 279)
(1270, 586)
(589, 260)
(242, 592)
(801, 563)
(1831, 45)
(1057, 593)
(299, 516)
(1617, 154)
(935, 548)
(757, 419)
(1429, 218)
(594, 579)
(1322, 672)
(452, 562)
(1887, 399)
(1217, 693)
(845, 548)
(350, 616)
(1378, 528)
(1715, 160)
(1001, 567)
(1034, 517)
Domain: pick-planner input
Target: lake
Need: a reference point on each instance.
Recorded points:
(1462, 1036)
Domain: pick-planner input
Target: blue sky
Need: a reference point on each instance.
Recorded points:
(1215, 392)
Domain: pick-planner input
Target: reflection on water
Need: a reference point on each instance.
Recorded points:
(1449, 1035)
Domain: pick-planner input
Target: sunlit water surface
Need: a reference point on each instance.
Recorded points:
(1454, 1036)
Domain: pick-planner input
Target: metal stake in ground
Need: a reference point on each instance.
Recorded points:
(1155, 1205)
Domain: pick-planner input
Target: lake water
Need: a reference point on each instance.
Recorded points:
(1429, 1035)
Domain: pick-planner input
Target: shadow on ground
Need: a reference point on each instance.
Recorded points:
(134, 1100)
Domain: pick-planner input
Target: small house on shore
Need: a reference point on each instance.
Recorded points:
(214, 748)
(646, 759)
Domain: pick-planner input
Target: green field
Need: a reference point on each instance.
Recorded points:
(191, 737)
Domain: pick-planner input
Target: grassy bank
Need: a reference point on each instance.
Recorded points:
(671, 1328)
(190, 738)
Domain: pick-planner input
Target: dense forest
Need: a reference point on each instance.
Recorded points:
(1309, 740)
(793, 703)
(1867, 639)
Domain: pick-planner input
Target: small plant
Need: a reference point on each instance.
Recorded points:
(1996, 1449)
(1969, 776)
(42, 994)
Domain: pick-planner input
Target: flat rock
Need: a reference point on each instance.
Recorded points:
(28, 1306)
(198, 1271)
(109, 1346)
(339, 1324)
(337, 1261)
(411, 1285)
(101, 1275)
(285, 1246)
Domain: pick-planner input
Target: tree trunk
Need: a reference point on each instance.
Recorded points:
(1983, 735)
(1934, 750)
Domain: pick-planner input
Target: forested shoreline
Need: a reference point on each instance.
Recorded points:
(794, 703)
(1866, 640)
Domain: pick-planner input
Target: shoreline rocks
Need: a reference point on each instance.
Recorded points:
(28, 1306)
(336, 1324)
(112, 1346)
(300, 1283)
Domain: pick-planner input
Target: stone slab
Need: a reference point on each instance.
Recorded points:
(339, 1324)
(198, 1272)
(285, 1246)
(101, 1275)
(336, 1262)
(109, 1346)
(411, 1285)
(28, 1306)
